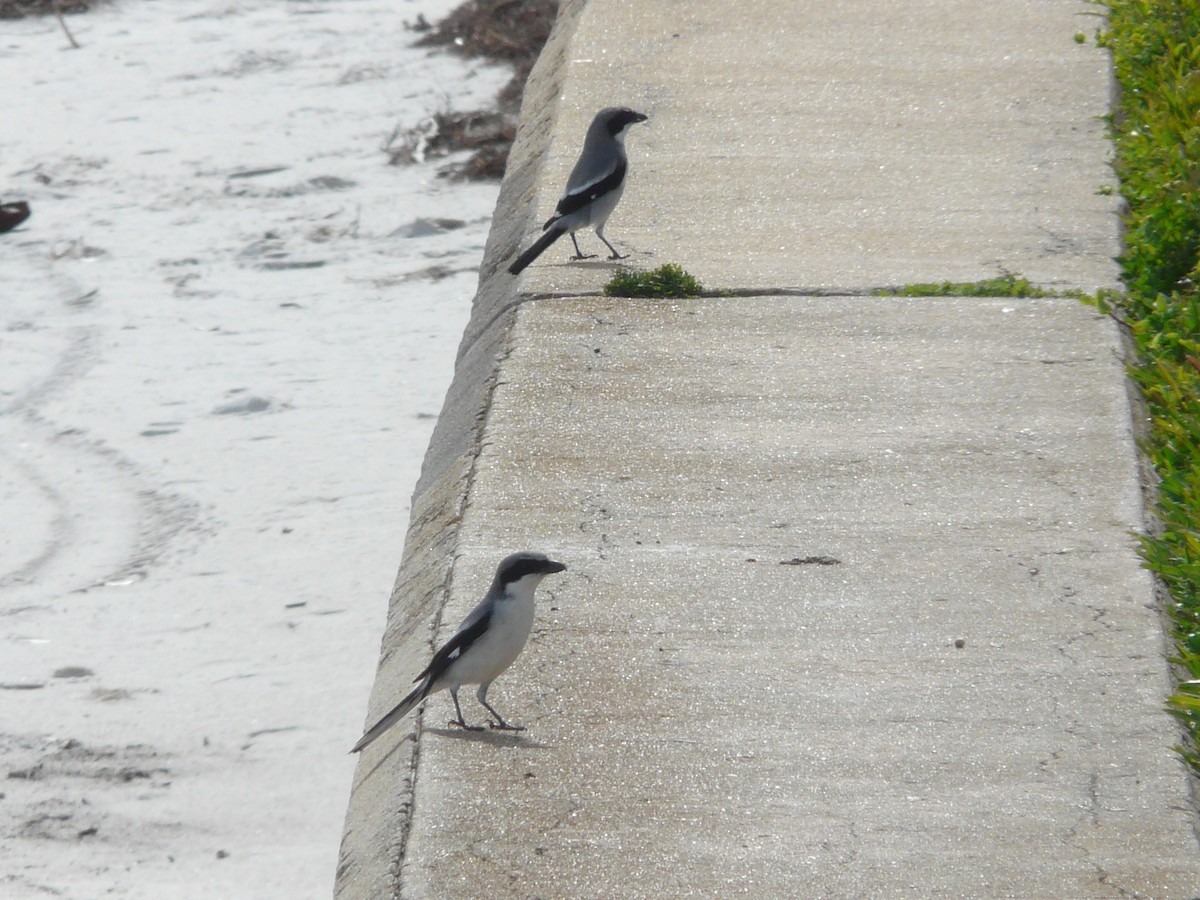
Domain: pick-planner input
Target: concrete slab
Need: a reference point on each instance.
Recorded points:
(784, 514)
(781, 514)
(842, 145)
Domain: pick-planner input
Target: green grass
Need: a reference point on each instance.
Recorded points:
(1156, 130)
(668, 280)
(1007, 285)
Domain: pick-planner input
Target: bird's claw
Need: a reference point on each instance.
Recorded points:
(464, 726)
(579, 256)
(619, 255)
(504, 726)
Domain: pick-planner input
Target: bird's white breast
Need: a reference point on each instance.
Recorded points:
(507, 633)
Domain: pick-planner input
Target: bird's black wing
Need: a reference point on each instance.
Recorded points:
(581, 197)
(468, 633)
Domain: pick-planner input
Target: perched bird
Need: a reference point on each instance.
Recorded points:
(486, 643)
(594, 187)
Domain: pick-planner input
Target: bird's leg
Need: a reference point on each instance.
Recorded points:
(460, 721)
(499, 723)
(615, 254)
(579, 255)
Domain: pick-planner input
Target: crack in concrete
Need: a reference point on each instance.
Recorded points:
(715, 294)
(895, 291)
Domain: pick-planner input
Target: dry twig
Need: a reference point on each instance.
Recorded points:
(63, 22)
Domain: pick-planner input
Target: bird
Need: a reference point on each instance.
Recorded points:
(594, 187)
(485, 644)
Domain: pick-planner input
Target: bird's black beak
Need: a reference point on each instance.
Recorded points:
(552, 567)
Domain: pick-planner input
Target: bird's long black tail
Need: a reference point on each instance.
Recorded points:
(401, 709)
(536, 250)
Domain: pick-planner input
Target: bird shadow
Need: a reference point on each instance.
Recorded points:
(489, 736)
(601, 263)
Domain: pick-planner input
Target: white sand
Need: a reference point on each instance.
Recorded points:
(206, 454)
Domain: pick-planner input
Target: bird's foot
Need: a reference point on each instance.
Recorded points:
(616, 255)
(579, 256)
(504, 726)
(464, 726)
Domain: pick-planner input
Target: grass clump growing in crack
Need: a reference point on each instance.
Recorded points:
(1156, 129)
(1006, 285)
(669, 280)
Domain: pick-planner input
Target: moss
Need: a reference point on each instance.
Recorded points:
(1007, 285)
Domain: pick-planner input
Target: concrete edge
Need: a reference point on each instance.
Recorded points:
(379, 809)
(1152, 525)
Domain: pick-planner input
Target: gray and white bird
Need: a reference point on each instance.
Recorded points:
(486, 643)
(594, 187)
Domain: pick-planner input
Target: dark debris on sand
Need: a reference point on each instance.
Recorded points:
(510, 32)
(19, 9)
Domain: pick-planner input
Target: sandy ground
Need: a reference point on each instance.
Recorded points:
(224, 337)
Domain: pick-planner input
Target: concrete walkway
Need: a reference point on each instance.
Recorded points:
(853, 608)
